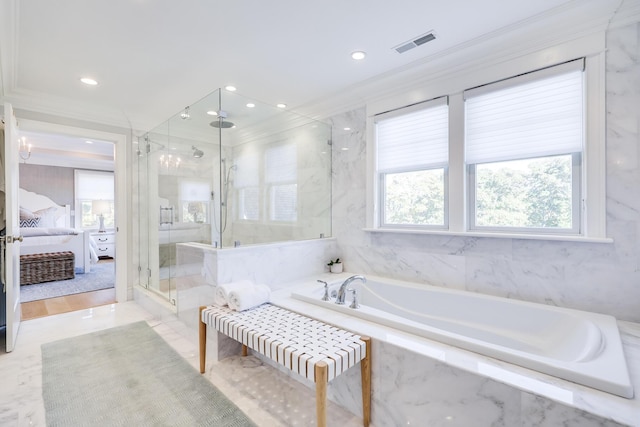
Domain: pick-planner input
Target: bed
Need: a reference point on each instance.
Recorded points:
(46, 227)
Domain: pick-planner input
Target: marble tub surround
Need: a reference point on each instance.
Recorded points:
(416, 379)
(199, 268)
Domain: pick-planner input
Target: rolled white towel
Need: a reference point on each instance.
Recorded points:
(221, 294)
(241, 299)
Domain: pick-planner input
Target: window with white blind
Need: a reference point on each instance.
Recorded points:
(194, 201)
(524, 139)
(246, 182)
(522, 155)
(412, 159)
(281, 174)
(93, 186)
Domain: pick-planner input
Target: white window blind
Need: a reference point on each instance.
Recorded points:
(94, 185)
(194, 191)
(533, 115)
(281, 163)
(413, 137)
(247, 172)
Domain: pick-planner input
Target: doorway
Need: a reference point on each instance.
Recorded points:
(111, 240)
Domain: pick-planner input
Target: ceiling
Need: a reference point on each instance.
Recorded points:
(151, 58)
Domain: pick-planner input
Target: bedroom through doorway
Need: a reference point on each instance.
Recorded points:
(67, 219)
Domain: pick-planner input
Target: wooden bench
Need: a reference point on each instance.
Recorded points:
(313, 349)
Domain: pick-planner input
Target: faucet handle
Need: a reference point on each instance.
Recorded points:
(325, 297)
(354, 302)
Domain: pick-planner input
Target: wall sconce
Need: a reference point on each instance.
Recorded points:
(101, 207)
(26, 149)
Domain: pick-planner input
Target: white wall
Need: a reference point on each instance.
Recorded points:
(596, 277)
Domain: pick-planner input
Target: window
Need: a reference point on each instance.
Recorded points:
(247, 184)
(194, 201)
(412, 155)
(524, 143)
(281, 170)
(93, 186)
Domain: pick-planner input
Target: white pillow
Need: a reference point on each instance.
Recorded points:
(47, 217)
(26, 213)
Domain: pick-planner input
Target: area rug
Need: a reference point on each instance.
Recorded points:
(128, 376)
(101, 276)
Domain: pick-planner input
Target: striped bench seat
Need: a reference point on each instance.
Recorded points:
(308, 347)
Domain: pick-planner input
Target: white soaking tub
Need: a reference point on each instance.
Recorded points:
(573, 345)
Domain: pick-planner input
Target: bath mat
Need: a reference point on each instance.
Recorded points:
(128, 376)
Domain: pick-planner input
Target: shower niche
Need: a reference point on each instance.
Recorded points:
(228, 171)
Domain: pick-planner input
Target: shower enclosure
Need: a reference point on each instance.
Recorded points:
(228, 171)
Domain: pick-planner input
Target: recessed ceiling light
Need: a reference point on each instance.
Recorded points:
(345, 149)
(212, 113)
(281, 105)
(89, 142)
(347, 128)
(230, 88)
(88, 81)
(251, 105)
(358, 55)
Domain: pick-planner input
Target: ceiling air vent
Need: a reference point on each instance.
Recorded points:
(420, 40)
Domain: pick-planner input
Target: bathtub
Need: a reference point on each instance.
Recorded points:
(573, 345)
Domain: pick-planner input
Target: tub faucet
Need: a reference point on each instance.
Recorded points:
(343, 288)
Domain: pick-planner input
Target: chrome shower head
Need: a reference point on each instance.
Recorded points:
(196, 152)
(221, 124)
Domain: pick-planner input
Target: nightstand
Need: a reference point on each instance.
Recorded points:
(106, 243)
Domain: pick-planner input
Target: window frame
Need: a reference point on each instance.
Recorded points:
(444, 165)
(490, 157)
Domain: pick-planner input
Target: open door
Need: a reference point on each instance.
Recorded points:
(11, 241)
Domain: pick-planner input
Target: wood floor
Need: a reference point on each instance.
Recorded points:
(48, 307)
(64, 304)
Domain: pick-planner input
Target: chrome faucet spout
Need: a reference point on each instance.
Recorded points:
(342, 292)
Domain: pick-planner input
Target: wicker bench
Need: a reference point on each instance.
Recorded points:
(46, 267)
(308, 347)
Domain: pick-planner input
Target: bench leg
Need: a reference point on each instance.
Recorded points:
(365, 373)
(321, 393)
(245, 350)
(203, 341)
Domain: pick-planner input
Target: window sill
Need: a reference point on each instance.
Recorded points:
(549, 237)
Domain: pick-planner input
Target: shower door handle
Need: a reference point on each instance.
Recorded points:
(170, 222)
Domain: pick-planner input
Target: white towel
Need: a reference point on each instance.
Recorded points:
(241, 299)
(221, 294)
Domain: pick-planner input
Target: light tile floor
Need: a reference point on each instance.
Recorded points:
(268, 397)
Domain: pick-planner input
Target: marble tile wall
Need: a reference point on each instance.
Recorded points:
(200, 268)
(596, 277)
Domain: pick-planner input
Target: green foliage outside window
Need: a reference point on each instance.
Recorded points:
(414, 198)
(535, 193)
